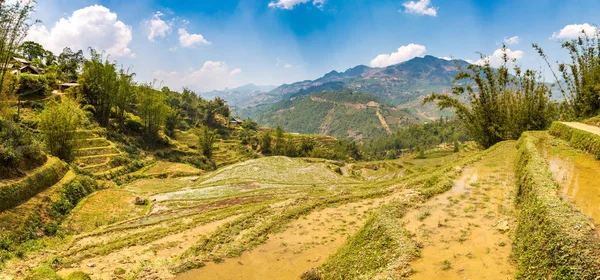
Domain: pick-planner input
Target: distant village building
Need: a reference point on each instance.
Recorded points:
(19, 66)
(236, 121)
(63, 87)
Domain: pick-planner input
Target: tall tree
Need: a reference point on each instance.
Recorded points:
(69, 64)
(32, 50)
(579, 80)
(265, 143)
(99, 85)
(124, 95)
(500, 105)
(206, 140)
(13, 28)
(58, 124)
(279, 141)
(152, 110)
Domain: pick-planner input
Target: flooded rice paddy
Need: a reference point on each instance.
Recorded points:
(577, 174)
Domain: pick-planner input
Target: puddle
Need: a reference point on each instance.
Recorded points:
(577, 174)
(465, 231)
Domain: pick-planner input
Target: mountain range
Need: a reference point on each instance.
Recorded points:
(360, 103)
(244, 96)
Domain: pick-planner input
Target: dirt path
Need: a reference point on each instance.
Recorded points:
(307, 242)
(584, 127)
(466, 231)
(383, 122)
(327, 121)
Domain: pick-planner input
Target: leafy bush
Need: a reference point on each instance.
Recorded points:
(19, 150)
(119, 161)
(33, 84)
(43, 273)
(134, 125)
(500, 105)
(71, 194)
(58, 124)
(78, 275)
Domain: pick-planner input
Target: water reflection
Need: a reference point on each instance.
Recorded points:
(578, 175)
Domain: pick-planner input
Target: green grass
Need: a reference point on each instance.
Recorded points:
(381, 242)
(103, 208)
(579, 139)
(36, 181)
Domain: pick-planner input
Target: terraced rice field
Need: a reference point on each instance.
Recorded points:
(445, 216)
(94, 153)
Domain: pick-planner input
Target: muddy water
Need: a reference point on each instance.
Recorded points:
(466, 231)
(306, 243)
(578, 175)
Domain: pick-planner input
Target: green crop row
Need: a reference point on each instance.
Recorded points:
(553, 240)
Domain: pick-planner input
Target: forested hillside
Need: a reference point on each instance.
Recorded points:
(398, 91)
(341, 113)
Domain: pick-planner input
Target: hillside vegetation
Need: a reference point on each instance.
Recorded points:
(342, 114)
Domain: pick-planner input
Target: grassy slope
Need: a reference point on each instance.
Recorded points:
(579, 139)
(553, 239)
(41, 178)
(390, 245)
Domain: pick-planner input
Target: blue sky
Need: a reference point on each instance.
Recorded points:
(206, 44)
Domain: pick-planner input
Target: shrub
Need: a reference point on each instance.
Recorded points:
(33, 84)
(58, 123)
(134, 125)
(71, 194)
(51, 228)
(119, 161)
(19, 150)
(312, 274)
(43, 273)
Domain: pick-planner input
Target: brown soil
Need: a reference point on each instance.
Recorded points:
(306, 243)
(154, 256)
(466, 231)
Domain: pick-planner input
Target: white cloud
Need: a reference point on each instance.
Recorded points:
(512, 40)
(188, 40)
(404, 53)
(446, 58)
(283, 63)
(290, 4)
(158, 27)
(212, 75)
(94, 26)
(573, 31)
(496, 59)
(421, 7)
